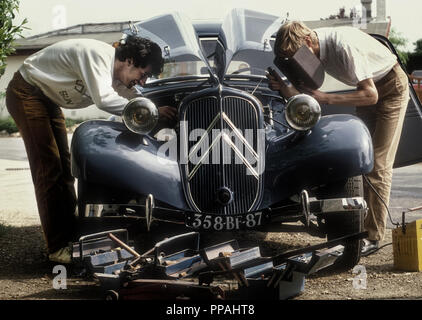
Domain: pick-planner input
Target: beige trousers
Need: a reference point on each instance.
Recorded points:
(385, 121)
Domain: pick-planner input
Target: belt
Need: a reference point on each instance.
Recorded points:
(388, 75)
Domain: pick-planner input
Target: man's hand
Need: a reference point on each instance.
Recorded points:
(275, 81)
(168, 112)
(277, 84)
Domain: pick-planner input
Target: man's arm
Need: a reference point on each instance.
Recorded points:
(94, 70)
(164, 111)
(365, 95)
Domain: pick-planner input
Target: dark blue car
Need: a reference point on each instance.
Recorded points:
(240, 156)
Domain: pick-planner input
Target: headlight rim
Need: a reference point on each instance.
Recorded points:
(315, 109)
(142, 103)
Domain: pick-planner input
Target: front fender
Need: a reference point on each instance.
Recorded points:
(338, 147)
(105, 153)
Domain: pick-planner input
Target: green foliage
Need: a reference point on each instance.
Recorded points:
(415, 58)
(8, 125)
(72, 122)
(4, 229)
(418, 45)
(399, 42)
(8, 31)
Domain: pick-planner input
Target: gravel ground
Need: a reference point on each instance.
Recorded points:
(25, 272)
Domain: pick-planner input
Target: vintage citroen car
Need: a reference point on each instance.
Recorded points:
(240, 156)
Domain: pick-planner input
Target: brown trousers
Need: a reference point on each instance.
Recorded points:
(43, 130)
(385, 121)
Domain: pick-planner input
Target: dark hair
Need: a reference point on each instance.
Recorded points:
(142, 51)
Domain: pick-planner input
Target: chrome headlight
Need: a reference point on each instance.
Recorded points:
(140, 115)
(302, 112)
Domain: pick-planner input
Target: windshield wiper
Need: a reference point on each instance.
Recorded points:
(175, 79)
(244, 76)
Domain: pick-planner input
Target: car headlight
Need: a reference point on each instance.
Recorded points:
(302, 112)
(140, 115)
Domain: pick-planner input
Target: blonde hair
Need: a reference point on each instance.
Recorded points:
(290, 37)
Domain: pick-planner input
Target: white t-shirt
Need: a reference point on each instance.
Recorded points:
(76, 73)
(351, 55)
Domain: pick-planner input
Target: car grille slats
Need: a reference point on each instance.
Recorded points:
(223, 120)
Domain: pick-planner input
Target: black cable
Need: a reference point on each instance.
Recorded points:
(376, 250)
(389, 214)
(382, 200)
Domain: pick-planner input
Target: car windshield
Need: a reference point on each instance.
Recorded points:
(185, 68)
(188, 65)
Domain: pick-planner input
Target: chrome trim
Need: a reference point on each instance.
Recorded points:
(342, 204)
(239, 135)
(228, 141)
(189, 191)
(258, 147)
(237, 151)
(210, 127)
(304, 201)
(149, 209)
(223, 117)
(199, 164)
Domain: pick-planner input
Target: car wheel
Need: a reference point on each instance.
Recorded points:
(339, 224)
(111, 295)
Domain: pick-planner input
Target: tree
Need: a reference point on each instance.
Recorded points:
(399, 42)
(418, 45)
(415, 57)
(8, 31)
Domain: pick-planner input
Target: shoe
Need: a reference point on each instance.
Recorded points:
(63, 255)
(369, 247)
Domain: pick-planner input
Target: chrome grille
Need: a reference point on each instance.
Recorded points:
(204, 176)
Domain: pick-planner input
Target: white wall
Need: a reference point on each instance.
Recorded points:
(13, 64)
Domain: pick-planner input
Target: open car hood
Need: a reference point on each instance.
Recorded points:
(243, 31)
(246, 30)
(176, 36)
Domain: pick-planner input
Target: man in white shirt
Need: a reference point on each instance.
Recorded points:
(381, 97)
(71, 74)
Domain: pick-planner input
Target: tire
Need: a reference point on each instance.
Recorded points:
(111, 295)
(339, 224)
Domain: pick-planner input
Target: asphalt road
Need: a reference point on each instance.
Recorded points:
(406, 189)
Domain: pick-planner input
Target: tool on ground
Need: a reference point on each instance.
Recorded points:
(177, 268)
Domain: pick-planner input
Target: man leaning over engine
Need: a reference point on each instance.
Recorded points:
(71, 74)
(381, 97)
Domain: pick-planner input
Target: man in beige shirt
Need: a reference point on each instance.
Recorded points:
(381, 97)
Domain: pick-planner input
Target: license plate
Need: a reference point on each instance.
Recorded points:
(215, 222)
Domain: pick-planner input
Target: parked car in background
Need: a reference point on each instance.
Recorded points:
(416, 77)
